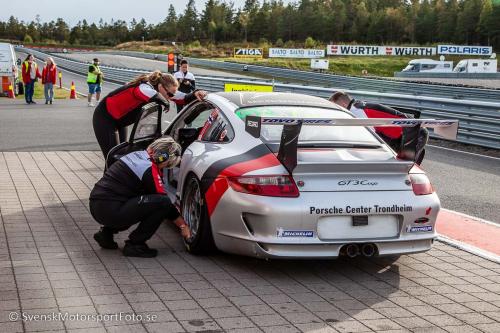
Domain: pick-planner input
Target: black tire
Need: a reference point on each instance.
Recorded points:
(193, 205)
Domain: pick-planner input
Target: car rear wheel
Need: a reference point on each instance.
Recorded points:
(195, 214)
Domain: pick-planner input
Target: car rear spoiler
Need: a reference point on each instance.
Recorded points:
(287, 153)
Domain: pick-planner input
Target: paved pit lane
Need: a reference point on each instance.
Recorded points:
(51, 264)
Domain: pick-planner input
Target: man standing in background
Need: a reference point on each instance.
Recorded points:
(185, 78)
(94, 80)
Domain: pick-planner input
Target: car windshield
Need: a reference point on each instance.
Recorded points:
(310, 133)
(410, 68)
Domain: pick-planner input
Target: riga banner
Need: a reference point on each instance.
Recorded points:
(248, 53)
(370, 50)
(296, 53)
(465, 50)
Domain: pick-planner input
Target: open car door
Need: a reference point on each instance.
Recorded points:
(148, 127)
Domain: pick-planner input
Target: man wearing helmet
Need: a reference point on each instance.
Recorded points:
(130, 192)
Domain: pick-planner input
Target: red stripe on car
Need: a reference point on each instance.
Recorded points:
(220, 184)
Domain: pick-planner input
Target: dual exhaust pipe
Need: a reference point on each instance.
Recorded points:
(366, 250)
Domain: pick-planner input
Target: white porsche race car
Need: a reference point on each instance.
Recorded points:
(279, 175)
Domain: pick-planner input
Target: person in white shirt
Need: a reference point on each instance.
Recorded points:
(186, 79)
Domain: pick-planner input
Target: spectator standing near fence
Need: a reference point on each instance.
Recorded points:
(186, 79)
(94, 80)
(49, 76)
(30, 75)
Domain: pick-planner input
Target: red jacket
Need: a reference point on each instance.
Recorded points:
(49, 74)
(26, 69)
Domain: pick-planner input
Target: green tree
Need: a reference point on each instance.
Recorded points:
(188, 23)
(486, 21)
(467, 21)
(27, 39)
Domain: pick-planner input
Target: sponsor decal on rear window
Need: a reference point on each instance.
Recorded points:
(359, 209)
(424, 228)
(294, 233)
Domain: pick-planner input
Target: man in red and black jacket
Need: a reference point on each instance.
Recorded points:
(396, 137)
(130, 192)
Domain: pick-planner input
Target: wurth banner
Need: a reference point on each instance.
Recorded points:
(370, 50)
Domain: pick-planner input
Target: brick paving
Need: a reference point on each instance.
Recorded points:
(50, 264)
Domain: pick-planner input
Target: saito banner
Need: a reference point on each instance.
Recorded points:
(369, 50)
(296, 53)
(465, 50)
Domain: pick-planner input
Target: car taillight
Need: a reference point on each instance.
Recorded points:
(271, 186)
(421, 184)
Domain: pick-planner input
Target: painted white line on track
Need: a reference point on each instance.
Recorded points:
(475, 219)
(469, 248)
(464, 152)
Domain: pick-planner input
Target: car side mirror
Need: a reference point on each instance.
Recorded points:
(18, 62)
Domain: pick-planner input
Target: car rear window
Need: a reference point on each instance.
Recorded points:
(310, 133)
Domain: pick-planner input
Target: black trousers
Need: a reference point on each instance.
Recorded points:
(105, 129)
(147, 210)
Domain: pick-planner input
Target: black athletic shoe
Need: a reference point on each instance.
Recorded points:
(138, 250)
(105, 240)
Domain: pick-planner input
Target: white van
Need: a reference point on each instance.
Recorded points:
(8, 68)
(428, 66)
(476, 66)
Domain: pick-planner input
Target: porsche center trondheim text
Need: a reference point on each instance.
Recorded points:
(360, 209)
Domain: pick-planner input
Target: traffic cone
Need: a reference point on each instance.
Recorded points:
(72, 94)
(11, 92)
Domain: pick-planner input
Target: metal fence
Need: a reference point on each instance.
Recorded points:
(338, 81)
(479, 120)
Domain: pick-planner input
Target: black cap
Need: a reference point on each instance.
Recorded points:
(95, 59)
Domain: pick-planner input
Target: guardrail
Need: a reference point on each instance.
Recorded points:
(338, 81)
(479, 120)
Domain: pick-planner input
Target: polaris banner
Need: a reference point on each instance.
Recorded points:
(465, 50)
(248, 53)
(296, 53)
(370, 50)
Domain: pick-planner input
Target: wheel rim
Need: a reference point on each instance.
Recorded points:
(192, 208)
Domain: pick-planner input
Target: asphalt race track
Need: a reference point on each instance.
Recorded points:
(147, 64)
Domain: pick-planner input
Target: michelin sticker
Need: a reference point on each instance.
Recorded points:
(425, 228)
(282, 233)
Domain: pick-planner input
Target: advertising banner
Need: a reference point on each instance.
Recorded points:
(465, 50)
(248, 52)
(370, 50)
(228, 87)
(296, 53)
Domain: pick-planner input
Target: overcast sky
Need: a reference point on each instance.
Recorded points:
(71, 11)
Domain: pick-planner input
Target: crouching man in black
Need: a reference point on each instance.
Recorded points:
(130, 192)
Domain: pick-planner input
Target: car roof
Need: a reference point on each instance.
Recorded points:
(246, 99)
